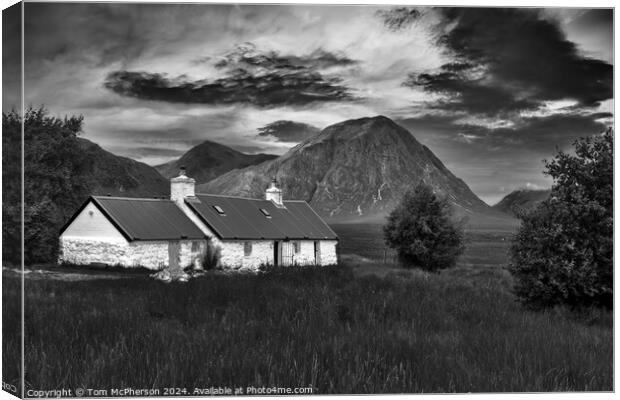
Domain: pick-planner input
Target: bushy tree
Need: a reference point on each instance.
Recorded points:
(423, 232)
(563, 252)
(11, 187)
(54, 181)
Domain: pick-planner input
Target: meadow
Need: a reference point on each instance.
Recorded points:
(360, 327)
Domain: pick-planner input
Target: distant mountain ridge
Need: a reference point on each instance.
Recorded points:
(209, 160)
(355, 168)
(121, 176)
(521, 200)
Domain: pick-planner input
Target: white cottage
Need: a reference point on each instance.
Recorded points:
(248, 232)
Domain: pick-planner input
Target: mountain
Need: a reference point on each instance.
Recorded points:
(357, 168)
(288, 131)
(209, 160)
(121, 176)
(521, 200)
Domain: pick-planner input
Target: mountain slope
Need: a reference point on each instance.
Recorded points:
(355, 168)
(521, 200)
(121, 176)
(209, 160)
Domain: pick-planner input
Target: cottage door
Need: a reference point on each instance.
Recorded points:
(174, 257)
(287, 254)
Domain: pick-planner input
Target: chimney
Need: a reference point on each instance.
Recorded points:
(181, 187)
(274, 194)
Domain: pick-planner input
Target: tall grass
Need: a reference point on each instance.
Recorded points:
(325, 327)
(11, 334)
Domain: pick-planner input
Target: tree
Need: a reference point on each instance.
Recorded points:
(54, 181)
(422, 231)
(11, 187)
(563, 252)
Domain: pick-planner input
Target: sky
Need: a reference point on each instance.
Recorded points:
(492, 92)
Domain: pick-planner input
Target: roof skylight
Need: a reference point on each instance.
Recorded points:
(219, 210)
(265, 212)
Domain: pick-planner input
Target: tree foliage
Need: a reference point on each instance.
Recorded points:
(11, 187)
(563, 252)
(422, 231)
(54, 182)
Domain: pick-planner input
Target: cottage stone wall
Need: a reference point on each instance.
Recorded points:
(148, 254)
(305, 256)
(154, 254)
(190, 253)
(329, 254)
(233, 254)
(87, 251)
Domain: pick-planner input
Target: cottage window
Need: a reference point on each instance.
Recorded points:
(297, 247)
(195, 246)
(247, 249)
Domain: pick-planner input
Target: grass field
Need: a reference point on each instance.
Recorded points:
(362, 327)
(483, 248)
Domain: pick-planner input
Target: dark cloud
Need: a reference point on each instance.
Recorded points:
(399, 18)
(510, 60)
(264, 80)
(537, 135)
(95, 33)
(468, 94)
(288, 131)
(246, 56)
(541, 135)
(265, 90)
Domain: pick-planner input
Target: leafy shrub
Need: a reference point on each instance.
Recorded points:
(211, 257)
(54, 181)
(422, 231)
(563, 252)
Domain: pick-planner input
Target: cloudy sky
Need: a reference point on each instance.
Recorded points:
(491, 92)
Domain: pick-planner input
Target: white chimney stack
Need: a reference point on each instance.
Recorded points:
(182, 187)
(274, 194)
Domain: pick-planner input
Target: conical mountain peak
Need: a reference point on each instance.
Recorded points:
(352, 168)
(209, 160)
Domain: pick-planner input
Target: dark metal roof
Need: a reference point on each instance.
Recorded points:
(144, 219)
(243, 219)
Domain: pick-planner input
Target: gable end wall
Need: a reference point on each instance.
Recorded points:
(92, 224)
